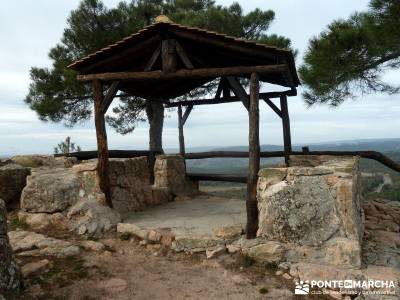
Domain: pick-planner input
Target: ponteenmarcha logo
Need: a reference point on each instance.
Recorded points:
(302, 288)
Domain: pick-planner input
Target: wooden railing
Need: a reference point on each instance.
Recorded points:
(85, 155)
(377, 156)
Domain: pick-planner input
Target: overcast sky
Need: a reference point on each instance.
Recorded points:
(28, 29)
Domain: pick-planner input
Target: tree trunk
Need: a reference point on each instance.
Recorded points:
(155, 115)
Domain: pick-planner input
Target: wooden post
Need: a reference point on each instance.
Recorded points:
(168, 54)
(287, 140)
(254, 158)
(181, 136)
(102, 148)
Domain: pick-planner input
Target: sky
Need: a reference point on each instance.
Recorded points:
(28, 29)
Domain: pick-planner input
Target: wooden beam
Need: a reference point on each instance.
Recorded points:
(287, 140)
(186, 114)
(153, 59)
(168, 55)
(112, 91)
(273, 106)
(184, 74)
(181, 136)
(225, 99)
(102, 148)
(217, 177)
(254, 158)
(85, 155)
(183, 56)
(239, 91)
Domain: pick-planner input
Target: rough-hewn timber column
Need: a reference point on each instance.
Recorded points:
(168, 55)
(181, 136)
(102, 148)
(254, 158)
(287, 140)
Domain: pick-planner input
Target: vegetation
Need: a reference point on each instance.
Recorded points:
(66, 147)
(16, 223)
(55, 94)
(350, 56)
(390, 192)
(125, 236)
(371, 183)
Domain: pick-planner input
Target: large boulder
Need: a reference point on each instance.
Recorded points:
(12, 181)
(316, 209)
(50, 191)
(10, 275)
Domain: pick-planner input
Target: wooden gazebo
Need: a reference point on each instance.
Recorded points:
(166, 60)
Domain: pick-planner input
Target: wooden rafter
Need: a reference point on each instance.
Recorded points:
(223, 89)
(226, 45)
(273, 107)
(128, 52)
(239, 91)
(186, 114)
(109, 97)
(153, 59)
(183, 56)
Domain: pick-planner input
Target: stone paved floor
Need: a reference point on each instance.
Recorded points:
(194, 217)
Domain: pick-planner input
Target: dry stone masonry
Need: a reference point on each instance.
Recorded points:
(12, 181)
(10, 275)
(66, 194)
(170, 173)
(313, 211)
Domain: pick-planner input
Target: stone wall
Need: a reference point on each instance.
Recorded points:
(73, 192)
(10, 275)
(313, 210)
(170, 173)
(12, 181)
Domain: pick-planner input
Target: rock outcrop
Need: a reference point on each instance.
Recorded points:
(381, 244)
(315, 210)
(50, 191)
(36, 161)
(10, 275)
(27, 243)
(12, 181)
(92, 219)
